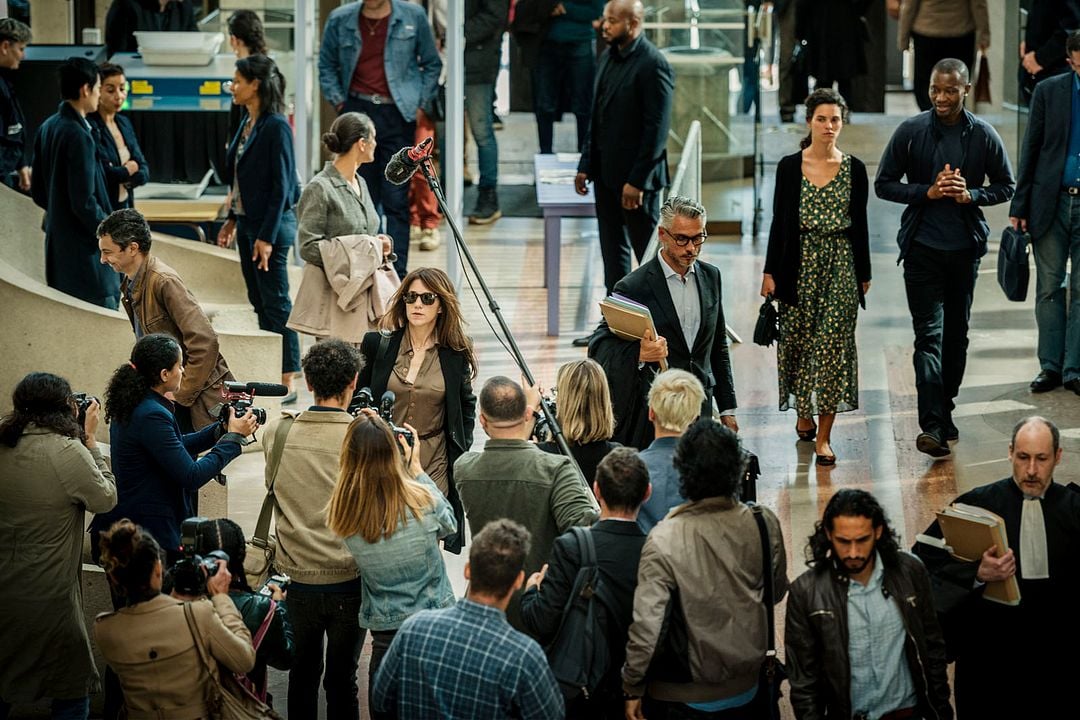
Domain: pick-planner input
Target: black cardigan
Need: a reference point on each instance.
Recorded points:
(784, 256)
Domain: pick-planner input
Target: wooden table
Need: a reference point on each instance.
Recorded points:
(192, 213)
(557, 199)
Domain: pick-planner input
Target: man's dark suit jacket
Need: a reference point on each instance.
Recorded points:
(460, 412)
(68, 183)
(1042, 163)
(1048, 25)
(708, 359)
(631, 115)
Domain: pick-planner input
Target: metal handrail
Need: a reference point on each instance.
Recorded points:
(687, 180)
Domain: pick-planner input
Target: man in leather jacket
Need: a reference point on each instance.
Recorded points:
(862, 637)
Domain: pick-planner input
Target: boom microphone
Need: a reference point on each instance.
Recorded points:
(406, 161)
(258, 388)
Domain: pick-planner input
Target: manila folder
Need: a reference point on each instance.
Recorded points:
(969, 531)
(628, 319)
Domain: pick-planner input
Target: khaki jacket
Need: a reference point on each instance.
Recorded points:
(307, 550)
(163, 304)
(151, 648)
(705, 556)
(347, 295)
(943, 18)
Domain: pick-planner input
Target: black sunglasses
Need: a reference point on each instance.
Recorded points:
(427, 298)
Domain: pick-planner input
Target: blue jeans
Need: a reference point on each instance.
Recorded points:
(335, 615)
(75, 709)
(569, 66)
(940, 285)
(1059, 327)
(268, 290)
(478, 99)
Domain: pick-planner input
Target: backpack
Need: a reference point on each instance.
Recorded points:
(579, 655)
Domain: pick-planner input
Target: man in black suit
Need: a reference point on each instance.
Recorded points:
(1042, 51)
(683, 295)
(625, 154)
(621, 486)
(68, 183)
(1047, 204)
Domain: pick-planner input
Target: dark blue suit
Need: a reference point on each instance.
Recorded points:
(265, 172)
(156, 477)
(68, 183)
(109, 156)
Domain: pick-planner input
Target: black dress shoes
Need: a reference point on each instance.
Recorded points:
(932, 445)
(1045, 381)
(581, 341)
(1073, 385)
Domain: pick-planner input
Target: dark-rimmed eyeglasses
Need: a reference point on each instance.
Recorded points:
(427, 298)
(684, 240)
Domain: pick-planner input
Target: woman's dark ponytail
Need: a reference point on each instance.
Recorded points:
(132, 380)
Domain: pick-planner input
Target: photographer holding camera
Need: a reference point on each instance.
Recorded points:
(149, 642)
(52, 474)
(157, 479)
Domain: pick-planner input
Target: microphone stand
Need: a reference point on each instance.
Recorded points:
(556, 429)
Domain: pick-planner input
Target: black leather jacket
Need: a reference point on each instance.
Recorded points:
(816, 641)
(276, 649)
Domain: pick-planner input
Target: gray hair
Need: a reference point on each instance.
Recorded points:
(681, 206)
(11, 30)
(1055, 434)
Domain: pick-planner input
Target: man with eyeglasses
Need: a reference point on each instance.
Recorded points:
(952, 164)
(683, 295)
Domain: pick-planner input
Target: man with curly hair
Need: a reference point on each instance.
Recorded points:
(699, 632)
(862, 636)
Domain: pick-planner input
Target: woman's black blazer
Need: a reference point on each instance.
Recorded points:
(784, 256)
(109, 155)
(460, 411)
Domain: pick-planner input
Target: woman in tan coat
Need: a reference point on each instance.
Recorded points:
(149, 644)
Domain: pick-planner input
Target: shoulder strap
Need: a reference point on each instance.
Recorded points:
(257, 638)
(262, 527)
(384, 342)
(767, 578)
(586, 546)
(211, 668)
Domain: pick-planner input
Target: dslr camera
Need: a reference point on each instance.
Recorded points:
(82, 402)
(363, 399)
(190, 572)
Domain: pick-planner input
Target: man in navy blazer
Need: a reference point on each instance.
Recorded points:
(68, 183)
(1047, 204)
(684, 298)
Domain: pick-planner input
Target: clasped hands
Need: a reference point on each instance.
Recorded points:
(950, 184)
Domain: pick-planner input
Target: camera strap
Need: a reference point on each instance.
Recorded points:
(262, 528)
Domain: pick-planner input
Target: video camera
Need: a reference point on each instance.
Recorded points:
(189, 573)
(241, 398)
(363, 399)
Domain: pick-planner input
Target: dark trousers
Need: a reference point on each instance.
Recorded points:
(337, 617)
(928, 50)
(563, 72)
(621, 230)
(268, 290)
(393, 132)
(940, 285)
(380, 643)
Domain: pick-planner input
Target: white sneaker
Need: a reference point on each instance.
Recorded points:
(430, 239)
(414, 233)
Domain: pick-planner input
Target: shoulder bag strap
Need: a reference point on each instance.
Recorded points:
(257, 638)
(384, 342)
(196, 635)
(766, 566)
(262, 527)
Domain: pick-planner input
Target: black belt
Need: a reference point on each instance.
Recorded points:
(373, 99)
(1074, 191)
(433, 433)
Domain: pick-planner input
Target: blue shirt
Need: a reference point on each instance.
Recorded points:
(665, 482)
(880, 677)
(465, 662)
(1071, 176)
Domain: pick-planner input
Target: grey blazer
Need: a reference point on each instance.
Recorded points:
(1042, 162)
(328, 208)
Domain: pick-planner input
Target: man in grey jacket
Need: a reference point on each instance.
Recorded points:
(512, 478)
(699, 632)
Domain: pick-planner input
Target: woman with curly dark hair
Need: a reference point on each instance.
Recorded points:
(52, 472)
(156, 475)
(424, 357)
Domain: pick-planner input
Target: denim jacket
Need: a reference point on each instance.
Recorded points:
(411, 61)
(405, 573)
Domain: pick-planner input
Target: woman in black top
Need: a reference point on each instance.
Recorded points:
(585, 414)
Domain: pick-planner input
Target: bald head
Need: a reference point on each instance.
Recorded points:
(622, 22)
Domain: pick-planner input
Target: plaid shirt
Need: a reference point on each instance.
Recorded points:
(465, 661)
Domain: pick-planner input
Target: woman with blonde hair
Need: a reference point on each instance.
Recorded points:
(424, 357)
(585, 414)
(392, 517)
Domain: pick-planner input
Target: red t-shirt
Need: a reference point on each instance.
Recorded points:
(369, 77)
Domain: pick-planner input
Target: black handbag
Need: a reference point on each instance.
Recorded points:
(767, 329)
(766, 703)
(1012, 270)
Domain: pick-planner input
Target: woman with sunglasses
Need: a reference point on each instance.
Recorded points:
(818, 267)
(424, 357)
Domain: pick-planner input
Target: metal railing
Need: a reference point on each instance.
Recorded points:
(687, 180)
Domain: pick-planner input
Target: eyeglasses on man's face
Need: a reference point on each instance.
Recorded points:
(427, 298)
(684, 240)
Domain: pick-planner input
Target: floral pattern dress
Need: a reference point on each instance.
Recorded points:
(816, 357)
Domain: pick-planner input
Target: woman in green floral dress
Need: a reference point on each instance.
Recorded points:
(818, 267)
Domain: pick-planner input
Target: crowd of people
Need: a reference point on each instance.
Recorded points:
(625, 579)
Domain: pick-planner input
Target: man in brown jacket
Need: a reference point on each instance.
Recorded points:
(157, 301)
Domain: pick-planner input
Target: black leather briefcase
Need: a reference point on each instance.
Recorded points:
(1012, 270)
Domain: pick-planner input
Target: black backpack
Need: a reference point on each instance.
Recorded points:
(579, 655)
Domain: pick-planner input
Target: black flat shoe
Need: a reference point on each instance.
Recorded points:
(581, 341)
(826, 460)
(808, 434)
(1045, 381)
